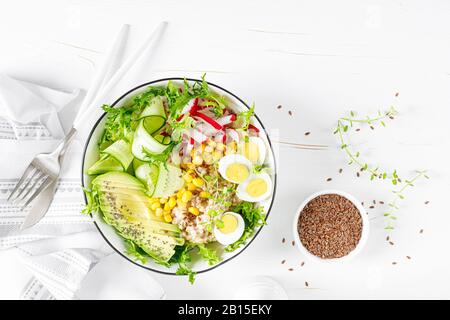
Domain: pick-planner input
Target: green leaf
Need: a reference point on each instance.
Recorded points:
(208, 254)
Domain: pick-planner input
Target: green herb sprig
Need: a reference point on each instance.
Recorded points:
(343, 126)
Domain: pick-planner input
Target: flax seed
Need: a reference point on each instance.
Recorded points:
(330, 226)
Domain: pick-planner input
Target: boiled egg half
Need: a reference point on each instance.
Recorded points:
(256, 188)
(235, 168)
(232, 227)
(253, 149)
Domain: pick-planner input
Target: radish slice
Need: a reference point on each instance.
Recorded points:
(206, 129)
(208, 120)
(233, 134)
(198, 136)
(226, 119)
(253, 128)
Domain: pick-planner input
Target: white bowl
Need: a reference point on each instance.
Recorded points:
(364, 233)
(91, 155)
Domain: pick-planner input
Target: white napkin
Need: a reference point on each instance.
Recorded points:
(61, 249)
(32, 110)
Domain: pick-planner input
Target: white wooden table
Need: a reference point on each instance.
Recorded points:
(318, 59)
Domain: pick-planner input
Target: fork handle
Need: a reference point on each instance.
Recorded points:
(64, 144)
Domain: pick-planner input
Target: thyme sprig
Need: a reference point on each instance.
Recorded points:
(343, 126)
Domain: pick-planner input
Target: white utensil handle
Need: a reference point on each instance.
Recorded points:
(99, 98)
(106, 69)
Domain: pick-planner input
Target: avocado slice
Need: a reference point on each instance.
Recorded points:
(123, 201)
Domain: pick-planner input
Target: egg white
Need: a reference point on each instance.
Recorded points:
(262, 151)
(230, 238)
(226, 161)
(241, 190)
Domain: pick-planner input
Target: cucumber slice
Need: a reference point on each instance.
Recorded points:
(121, 150)
(148, 174)
(155, 108)
(169, 181)
(153, 124)
(104, 165)
(144, 143)
(165, 140)
(137, 163)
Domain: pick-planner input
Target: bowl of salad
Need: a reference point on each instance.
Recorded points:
(179, 176)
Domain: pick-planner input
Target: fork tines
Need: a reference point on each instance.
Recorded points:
(32, 182)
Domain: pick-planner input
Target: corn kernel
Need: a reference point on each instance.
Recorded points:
(198, 182)
(188, 178)
(181, 204)
(209, 149)
(194, 211)
(191, 186)
(172, 202)
(217, 155)
(187, 195)
(167, 206)
(168, 218)
(155, 205)
(190, 166)
(197, 160)
(211, 143)
(220, 146)
(204, 194)
(163, 200)
(159, 212)
(209, 160)
(180, 193)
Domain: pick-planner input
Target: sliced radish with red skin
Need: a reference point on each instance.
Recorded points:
(252, 127)
(198, 136)
(206, 129)
(208, 120)
(233, 134)
(226, 119)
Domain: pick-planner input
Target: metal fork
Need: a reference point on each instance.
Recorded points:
(43, 170)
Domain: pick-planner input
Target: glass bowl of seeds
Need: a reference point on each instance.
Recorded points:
(330, 226)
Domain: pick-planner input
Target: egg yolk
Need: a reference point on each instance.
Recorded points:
(257, 187)
(237, 172)
(251, 151)
(230, 224)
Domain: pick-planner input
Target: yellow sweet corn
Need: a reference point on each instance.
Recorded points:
(155, 205)
(172, 202)
(212, 143)
(209, 149)
(187, 195)
(220, 146)
(180, 193)
(159, 212)
(168, 217)
(167, 207)
(181, 204)
(188, 178)
(163, 200)
(217, 155)
(198, 182)
(204, 194)
(191, 186)
(194, 211)
(197, 160)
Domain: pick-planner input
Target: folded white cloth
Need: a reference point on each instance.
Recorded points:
(65, 245)
(32, 110)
